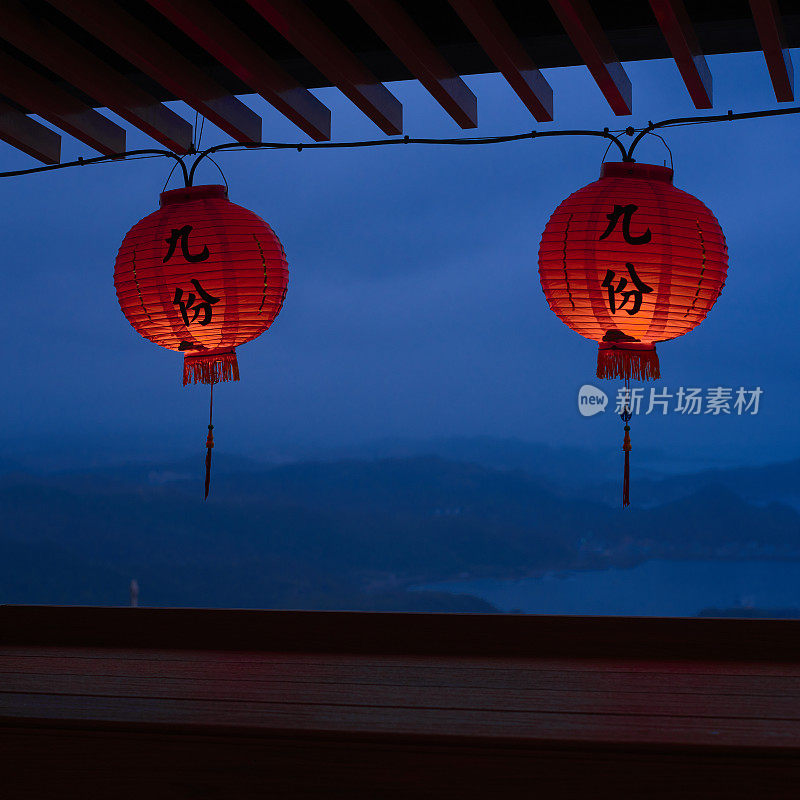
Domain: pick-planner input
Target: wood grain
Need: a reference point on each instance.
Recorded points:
(184, 703)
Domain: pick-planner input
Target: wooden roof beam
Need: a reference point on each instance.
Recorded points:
(593, 46)
(405, 39)
(769, 26)
(84, 70)
(215, 33)
(158, 59)
(40, 96)
(501, 44)
(306, 33)
(29, 136)
(682, 41)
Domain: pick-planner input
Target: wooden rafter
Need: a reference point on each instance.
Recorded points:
(405, 39)
(501, 44)
(681, 38)
(155, 57)
(59, 53)
(215, 33)
(307, 33)
(593, 46)
(769, 25)
(41, 96)
(29, 136)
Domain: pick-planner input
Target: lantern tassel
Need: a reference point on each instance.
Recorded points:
(626, 477)
(210, 367)
(209, 442)
(626, 416)
(628, 360)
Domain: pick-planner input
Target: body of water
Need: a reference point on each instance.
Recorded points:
(654, 588)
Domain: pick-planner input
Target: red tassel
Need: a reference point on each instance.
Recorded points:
(626, 479)
(210, 367)
(628, 360)
(209, 445)
(209, 441)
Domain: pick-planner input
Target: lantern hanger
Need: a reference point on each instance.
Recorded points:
(663, 141)
(605, 153)
(612, 136)
(218, 167)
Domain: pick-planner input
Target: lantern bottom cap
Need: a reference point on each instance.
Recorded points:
(628, 360)
(210, 367)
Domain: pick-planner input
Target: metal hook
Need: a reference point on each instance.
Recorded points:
(197, 161)
(649, 131)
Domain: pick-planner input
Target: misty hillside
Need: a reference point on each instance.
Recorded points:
(344, 534)
(760, 484)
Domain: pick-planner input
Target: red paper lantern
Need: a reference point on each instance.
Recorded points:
(201, 276)
(630, 260)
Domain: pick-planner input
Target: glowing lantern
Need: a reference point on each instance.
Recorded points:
(201, 276)
(629, 261)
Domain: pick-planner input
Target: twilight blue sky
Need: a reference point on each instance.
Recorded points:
(414, 307)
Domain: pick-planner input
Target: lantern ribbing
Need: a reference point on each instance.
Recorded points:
(629, 261)
(201, 276)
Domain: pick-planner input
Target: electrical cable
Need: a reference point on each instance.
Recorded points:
(130, 155)
(612, 136)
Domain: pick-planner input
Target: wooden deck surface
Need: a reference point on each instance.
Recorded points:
(395, 705)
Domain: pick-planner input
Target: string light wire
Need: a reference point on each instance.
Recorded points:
(637, 135)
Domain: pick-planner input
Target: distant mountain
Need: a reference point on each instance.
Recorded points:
(346, 534)
(558, 465)
(294, 534)
(714, 522)
(760, 484)
(562, 469)
(593, 473)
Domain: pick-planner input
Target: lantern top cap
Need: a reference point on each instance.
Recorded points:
(632, 169)
(188, 194)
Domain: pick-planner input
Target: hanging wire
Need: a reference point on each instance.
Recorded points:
(131, 155)
(166, 182)
(678, 122)
(646, 132)
(464, 141)
(669, 149)
(220, 171)
(611, 136)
